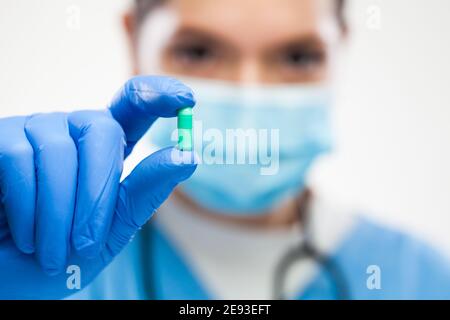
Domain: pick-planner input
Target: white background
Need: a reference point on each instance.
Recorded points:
(392, 119)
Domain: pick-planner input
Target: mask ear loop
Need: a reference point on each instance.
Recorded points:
(307, 250)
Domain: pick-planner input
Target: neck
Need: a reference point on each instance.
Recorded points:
(285, 216)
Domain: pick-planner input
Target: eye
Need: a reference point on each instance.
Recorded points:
(302, 58)
(194, 53)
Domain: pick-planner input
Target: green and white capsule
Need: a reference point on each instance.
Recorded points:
(185, 136)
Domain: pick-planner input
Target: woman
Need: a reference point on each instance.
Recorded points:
(245, 225)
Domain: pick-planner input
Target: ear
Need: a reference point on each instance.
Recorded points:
(130, 27)
(128, 21)
(344, 29)
(345, 33)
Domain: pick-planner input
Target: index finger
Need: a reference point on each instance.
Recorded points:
(144, 99)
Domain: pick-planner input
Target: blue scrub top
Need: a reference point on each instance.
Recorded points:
(409, 270)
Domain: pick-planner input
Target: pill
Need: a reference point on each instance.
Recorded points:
(184, 126)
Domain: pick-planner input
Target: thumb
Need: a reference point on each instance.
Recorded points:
(144, 190)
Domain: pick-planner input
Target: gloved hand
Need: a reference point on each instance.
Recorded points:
(62, 202)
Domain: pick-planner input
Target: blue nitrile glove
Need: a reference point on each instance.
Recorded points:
(62, 202)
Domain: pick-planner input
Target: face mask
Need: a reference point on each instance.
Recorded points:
(256, 143)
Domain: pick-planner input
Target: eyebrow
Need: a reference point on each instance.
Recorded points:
(186, 33)
(189, 33)
(306, 41)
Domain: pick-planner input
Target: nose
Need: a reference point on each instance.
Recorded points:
(250, 72)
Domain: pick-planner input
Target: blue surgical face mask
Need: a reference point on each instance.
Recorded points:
(256, 143)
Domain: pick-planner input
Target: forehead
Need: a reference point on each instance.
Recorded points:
(254, 20)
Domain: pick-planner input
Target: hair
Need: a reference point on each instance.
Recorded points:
(143, 7)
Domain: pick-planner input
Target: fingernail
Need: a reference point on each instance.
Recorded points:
(52, 271)
(86, 247)
(27, 249)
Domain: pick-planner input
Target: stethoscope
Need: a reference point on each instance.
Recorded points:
(304, 251)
